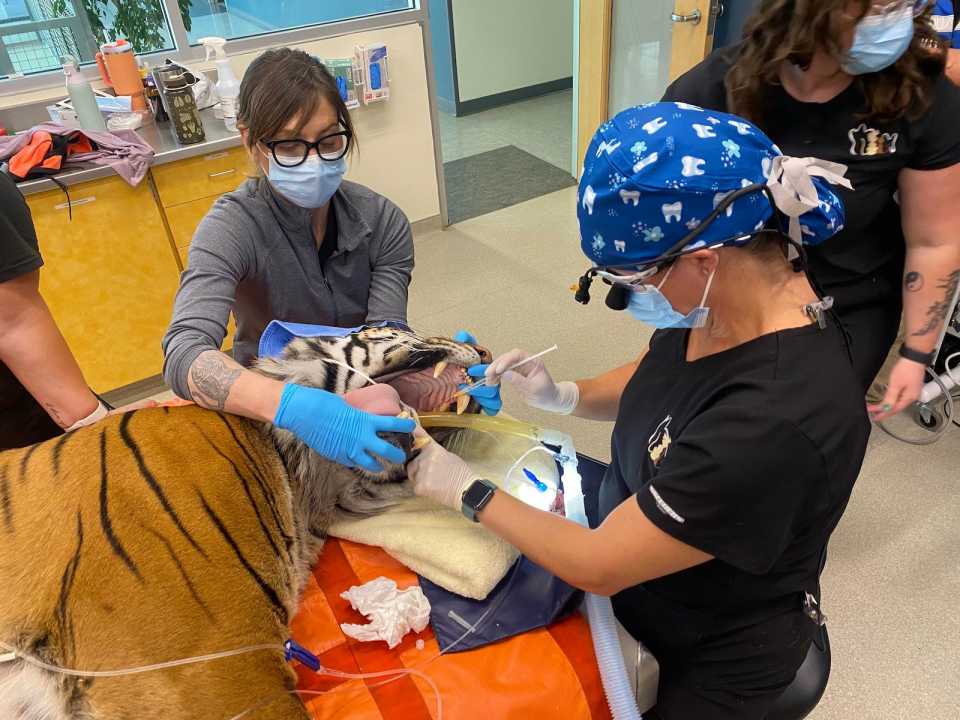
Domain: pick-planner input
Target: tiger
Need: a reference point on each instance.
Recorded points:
(174, 532)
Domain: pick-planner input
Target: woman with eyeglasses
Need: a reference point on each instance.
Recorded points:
(739, 431)
(296, 243)
(862, 83)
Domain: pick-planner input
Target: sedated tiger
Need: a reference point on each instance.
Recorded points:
(173, 532)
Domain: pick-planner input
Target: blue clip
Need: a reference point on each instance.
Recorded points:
(540, 484)
(292, 650)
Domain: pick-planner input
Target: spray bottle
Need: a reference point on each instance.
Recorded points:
(228, 87)
(81, 97)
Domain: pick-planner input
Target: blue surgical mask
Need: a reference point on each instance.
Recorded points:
(650, 306)
(879, 41)
(311, 183)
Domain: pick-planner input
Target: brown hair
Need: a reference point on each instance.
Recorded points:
(792, 30)
(281, 84)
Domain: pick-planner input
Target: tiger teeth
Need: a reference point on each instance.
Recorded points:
(404, 414)
(420, 442)
(462, 402)
(439, 368)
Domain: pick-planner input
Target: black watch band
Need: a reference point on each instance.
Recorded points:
(476, 497)
(925, 359)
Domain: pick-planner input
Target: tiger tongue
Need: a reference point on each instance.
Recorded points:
(424, 392)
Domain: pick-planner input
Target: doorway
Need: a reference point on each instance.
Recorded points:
(503, 73)
(629, 52)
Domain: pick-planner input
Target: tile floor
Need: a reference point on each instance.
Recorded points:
(543, 126)
(892, 581)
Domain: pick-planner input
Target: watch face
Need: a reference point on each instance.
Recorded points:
(477, 495)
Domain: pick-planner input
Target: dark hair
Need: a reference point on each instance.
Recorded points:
(793, 30)
(281, 84)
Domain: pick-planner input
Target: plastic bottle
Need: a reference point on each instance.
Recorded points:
(82, 97)
(228, 86)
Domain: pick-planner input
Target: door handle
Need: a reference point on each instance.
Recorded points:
(221, 173)
(693, 17)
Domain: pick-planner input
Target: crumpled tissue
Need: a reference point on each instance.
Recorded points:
(392, 613)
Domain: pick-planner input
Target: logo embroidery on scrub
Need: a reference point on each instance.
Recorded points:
(659, 442)
(869, 142)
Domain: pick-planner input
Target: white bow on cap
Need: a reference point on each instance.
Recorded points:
(792, 186)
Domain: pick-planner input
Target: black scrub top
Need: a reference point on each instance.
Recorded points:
(22, 420)
(749, 455)
(861, 266)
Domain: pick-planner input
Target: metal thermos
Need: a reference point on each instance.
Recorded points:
(181, 105)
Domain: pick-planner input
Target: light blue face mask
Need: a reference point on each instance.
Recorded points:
(311, 183)
(650, 306)
(879, 41)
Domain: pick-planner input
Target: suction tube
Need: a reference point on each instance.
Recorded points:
(603, 624)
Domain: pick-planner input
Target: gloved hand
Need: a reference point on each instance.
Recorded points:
(338, 431)
(487, 396)
(440, 475)
(465, 336)
(534, 383)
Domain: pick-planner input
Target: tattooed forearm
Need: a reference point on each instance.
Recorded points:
(211, 378)
(937, 313)
(913, 281)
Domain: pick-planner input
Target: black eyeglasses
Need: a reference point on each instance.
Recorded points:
(290, 153)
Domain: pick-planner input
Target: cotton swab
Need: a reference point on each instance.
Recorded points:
(482, 381)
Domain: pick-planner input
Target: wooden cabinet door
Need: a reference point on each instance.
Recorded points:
(109, 277)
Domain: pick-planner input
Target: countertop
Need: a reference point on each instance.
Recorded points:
(162, 138)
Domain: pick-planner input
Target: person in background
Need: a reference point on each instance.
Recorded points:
(42, 390)
(739, 431)
(296, 243)
(946, 21)
(861, 83)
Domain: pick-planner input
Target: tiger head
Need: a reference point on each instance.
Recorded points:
(426, 372)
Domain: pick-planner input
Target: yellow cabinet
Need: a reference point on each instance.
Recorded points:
(183, 220)
(202, 176)
(109, 277)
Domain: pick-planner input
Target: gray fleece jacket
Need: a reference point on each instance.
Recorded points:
(255, 254)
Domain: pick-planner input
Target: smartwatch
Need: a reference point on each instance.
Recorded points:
(925, 359)
(476, 497)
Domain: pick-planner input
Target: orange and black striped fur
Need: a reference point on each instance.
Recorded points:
(175, 532)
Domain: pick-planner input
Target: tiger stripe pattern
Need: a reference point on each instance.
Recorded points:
(168, 533)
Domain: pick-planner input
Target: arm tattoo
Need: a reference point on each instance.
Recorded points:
(937, 313)
(913, 281)
(212, 379)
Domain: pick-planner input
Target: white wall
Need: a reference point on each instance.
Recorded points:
(396, 156)
(503, 45)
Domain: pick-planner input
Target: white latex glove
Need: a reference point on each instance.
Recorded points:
(534, 383)
(99, 413)
(440, 475)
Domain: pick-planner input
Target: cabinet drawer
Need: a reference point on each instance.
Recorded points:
(201, 176)
(108, 277)
(184, 218)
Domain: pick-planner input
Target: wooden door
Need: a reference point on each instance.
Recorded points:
(682, 30)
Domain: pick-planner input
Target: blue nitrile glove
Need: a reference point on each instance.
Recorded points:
(488, 396)
(338, 431)
(465, 336)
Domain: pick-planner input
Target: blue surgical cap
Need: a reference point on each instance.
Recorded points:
(653, 173)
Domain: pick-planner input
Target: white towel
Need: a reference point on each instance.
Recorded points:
(436, 543)
(442, 545)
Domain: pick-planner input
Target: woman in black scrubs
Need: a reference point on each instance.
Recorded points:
(739, 432)
(861, 83)
(42, 390)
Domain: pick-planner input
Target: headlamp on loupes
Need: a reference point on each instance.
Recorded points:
(622, 277)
